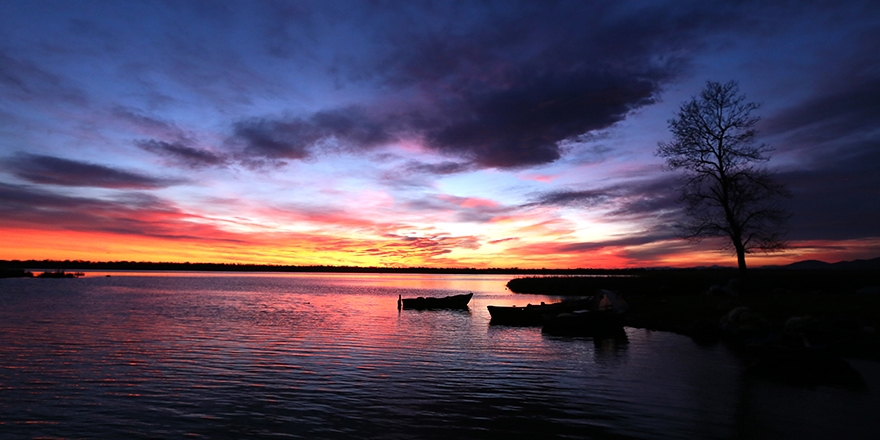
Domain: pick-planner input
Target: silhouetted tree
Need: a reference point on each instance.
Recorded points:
(725, 191)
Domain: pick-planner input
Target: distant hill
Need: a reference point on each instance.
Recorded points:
(872, 264)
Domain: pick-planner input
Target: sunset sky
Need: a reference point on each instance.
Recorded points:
(462, 134)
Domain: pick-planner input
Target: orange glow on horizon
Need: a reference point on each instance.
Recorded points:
(378, 251)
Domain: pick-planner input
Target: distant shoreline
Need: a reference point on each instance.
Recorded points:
(40, 265)
(79, 265)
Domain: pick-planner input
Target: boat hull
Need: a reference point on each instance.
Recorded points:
(428, 303)
(534, 315)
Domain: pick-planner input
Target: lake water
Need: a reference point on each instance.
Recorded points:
(228, 355)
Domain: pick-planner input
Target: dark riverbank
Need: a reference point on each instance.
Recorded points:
(696, 302)
(700, 281)
(21, 273)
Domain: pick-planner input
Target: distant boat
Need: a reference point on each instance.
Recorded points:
(426, 303)
(535, 314)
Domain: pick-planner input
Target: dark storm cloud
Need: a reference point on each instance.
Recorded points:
(179, 153)
(501, 84)
(508, 82)
(503, 128)
(523, 125)
(57, 171)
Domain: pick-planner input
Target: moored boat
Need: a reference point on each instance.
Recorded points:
(425, 303)
(605, 318)
(534, 314)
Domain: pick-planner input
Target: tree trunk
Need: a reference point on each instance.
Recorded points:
(741, 260)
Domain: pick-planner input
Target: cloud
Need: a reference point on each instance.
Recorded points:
(294, 138)
(522, 125)
(25, 206)
(441, 168)
(651, 197)
(651, 203)
(188, 156)
(514, 126)
(128, 214)
(24, 80)
(642, 243)
(497, 87)
(830, 117)
(505, 87)
(573, 198)
(148, 125)
(417, 174)
(633, 198)
(421, 248)
(461, 209)
(57, 171)
(628, 241)
(834, 135)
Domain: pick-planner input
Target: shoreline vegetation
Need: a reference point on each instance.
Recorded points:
(837, 311)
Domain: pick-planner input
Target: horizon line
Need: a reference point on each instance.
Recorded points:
(257, 267)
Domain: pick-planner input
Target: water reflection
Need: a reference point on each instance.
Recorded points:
(321, 356)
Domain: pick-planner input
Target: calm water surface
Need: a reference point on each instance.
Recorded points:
(214, 355)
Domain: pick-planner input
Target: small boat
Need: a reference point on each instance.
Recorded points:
(605, 318)
(425, 303)
(534, 314)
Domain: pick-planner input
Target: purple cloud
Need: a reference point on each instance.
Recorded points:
(57, 171)
(188, 156)
(297, 137)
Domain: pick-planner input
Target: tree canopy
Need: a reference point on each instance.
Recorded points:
(725, 189)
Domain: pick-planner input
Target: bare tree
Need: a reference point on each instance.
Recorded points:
(725, 191)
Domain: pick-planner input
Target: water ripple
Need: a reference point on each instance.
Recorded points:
(332, 357)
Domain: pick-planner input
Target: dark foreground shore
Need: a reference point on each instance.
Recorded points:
(839, 309)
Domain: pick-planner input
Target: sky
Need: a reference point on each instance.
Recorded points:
(419, 134)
